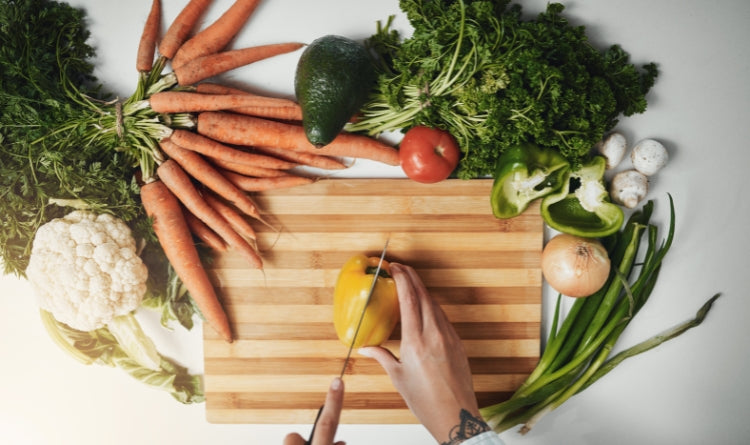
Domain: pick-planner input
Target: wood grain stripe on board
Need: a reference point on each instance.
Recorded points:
(262, 383)
(324, 330)
(242, 294)
(214, 346)
(301, 314)
(334, 257)
(356, 365)
(271, 278)
(302, 400)
(389, 187)
(439, 224)
(449, 244)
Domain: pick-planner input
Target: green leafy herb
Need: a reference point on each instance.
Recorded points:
(64, 143)
(495, 80)
(62, 139)
(43, 54)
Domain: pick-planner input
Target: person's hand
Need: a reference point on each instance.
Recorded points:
(328, 422)
(433, 374)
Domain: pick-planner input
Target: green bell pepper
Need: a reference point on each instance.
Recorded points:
(523, 174)
(582, 206)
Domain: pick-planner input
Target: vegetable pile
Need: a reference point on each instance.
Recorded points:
(163, 177)
(174, 162)
(578, 350)
(495, 80)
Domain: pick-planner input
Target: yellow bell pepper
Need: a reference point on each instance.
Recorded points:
(350, 296)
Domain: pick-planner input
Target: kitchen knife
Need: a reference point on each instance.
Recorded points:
(356, 331)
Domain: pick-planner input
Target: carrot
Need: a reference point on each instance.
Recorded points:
(292, 112)
(247, 170)
(250, 184)
(204, 172)
(303, 158)
(216, 150)
(233, 128)
(216, 88)
(190, 102)
(202, 231)
(234, 219)
(147, 45)
(181, 27)
(177, 242)
(214, 64)
(217, 35)
(175, 178)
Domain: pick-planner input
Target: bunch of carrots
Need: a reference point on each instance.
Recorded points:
(202, 147)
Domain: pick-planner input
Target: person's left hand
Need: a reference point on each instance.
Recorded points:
(328, 422)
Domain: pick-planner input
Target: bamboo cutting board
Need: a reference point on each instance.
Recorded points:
(483, 271)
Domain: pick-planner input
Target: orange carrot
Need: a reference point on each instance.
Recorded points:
(217, 35)
(189, 102)
(250, 184)
(175, 178)
(303, 158)
(202, 231)
(216, 88)
(211, 65)
(292, 112)
(204, 172)
(181, 27)
(248, 170)
(216, 150)
(234, 219)
(177, 242)
(147, 45)
(233, 128)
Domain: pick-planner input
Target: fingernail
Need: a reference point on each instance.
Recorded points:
(336, 384)
(364, 351)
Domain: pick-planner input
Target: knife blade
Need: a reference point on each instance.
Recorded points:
(356, 331)
(364, 309)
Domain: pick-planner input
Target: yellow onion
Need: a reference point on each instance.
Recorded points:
(575, 266)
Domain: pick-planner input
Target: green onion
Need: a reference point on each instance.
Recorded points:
(578, 353)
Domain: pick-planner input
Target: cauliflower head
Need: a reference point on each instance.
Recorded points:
(85, 270)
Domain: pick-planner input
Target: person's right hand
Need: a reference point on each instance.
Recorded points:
(433, 374)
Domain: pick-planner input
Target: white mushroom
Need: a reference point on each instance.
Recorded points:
(649, 156)
(628, 188)
(612, 148)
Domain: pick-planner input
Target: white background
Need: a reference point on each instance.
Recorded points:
(692, 390)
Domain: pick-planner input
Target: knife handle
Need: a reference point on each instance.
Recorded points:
(312, 433)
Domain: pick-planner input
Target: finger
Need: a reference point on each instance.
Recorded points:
(426, 303)
(383, 356)
(294, 439)
(328, 422)
(411, 315)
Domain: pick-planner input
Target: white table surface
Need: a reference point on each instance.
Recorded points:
(692, 390)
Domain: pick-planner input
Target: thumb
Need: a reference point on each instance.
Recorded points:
(382, 355)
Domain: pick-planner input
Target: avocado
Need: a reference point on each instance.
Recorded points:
(333, 79)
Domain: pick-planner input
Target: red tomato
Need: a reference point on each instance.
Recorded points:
(428, 154)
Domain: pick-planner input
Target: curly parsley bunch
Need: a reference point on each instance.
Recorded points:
(492, 79)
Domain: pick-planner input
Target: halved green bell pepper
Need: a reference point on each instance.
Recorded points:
(523, 174)
(582, 206)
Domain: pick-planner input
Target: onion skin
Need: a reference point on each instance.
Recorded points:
(575, 266)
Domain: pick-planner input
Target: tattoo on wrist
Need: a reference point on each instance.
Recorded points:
(469, 426)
